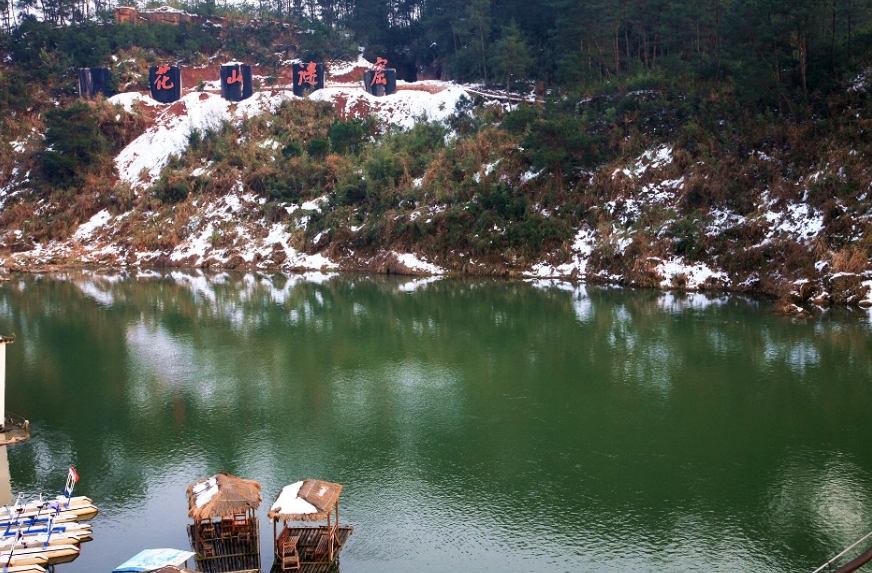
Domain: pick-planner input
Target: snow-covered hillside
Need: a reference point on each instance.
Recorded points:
(235, 230)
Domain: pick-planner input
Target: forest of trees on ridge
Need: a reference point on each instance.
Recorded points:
(776, 53)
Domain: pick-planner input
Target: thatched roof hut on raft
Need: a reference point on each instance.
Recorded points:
(313, 548)
(225, 534)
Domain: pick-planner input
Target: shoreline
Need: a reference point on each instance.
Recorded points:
(798, 303)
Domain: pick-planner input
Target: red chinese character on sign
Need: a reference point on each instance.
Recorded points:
(235, 77)
(161, 80)
(307, 76)
(379, 75)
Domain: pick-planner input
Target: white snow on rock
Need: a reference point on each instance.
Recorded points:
(341, 67)
(651, 159)
(126, 100)
(404, 108)
(414, 264)
(798, 221)
(227, 215)
(694, 275)
(151, 151)
(722, 219)
(582, 247)
(85, 230)
(867, 300)
(860, 84)
(140, 163)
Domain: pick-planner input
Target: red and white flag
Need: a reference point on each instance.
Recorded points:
(73, 475)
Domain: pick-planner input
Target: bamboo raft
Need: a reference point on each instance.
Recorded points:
(309, 548)
(224, 536)
(312, 547)
(221, 547)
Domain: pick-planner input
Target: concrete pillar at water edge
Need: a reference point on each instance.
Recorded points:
(4, 340)
(5, 479)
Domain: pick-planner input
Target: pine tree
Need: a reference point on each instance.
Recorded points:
(511, 56)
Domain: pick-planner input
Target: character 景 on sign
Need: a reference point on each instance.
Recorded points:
(162, 80)
(307, 76)
(379, 75)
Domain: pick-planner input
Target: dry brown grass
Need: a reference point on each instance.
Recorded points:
(852, 260)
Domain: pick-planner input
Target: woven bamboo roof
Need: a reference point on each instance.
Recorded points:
(307, 500)
(222, 495)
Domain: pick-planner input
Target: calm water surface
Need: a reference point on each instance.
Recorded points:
(476, 425)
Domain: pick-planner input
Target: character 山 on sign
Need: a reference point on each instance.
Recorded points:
(235, 77)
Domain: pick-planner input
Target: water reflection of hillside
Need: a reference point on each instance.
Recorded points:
(647, 424)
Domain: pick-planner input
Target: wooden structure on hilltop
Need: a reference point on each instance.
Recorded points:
(308, 548)
(162, 15)
(225, 535)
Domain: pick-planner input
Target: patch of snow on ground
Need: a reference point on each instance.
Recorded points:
(340, 68)
(85, 230)
(582, 247)
(653, 158)
(722, 220)
(529, 175)
(415, 264)
(867, 300)
(626, 211)
(151, 151)
(404, 108)
(662, 192)
(695, 275)
(315, 204)
(126, 100)
(800, 221)
(860, 83)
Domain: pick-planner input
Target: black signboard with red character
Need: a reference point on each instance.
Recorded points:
(307, 78)
(236, 82)
(165, 82)
(93, 81)
(380, 80)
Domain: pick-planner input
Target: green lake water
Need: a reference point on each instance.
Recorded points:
(478, 425)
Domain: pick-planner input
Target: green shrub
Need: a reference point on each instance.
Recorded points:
(74, 144)
(171, 192)
(347, 136)
(292, 149)
(518, 120)
(318, 147)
